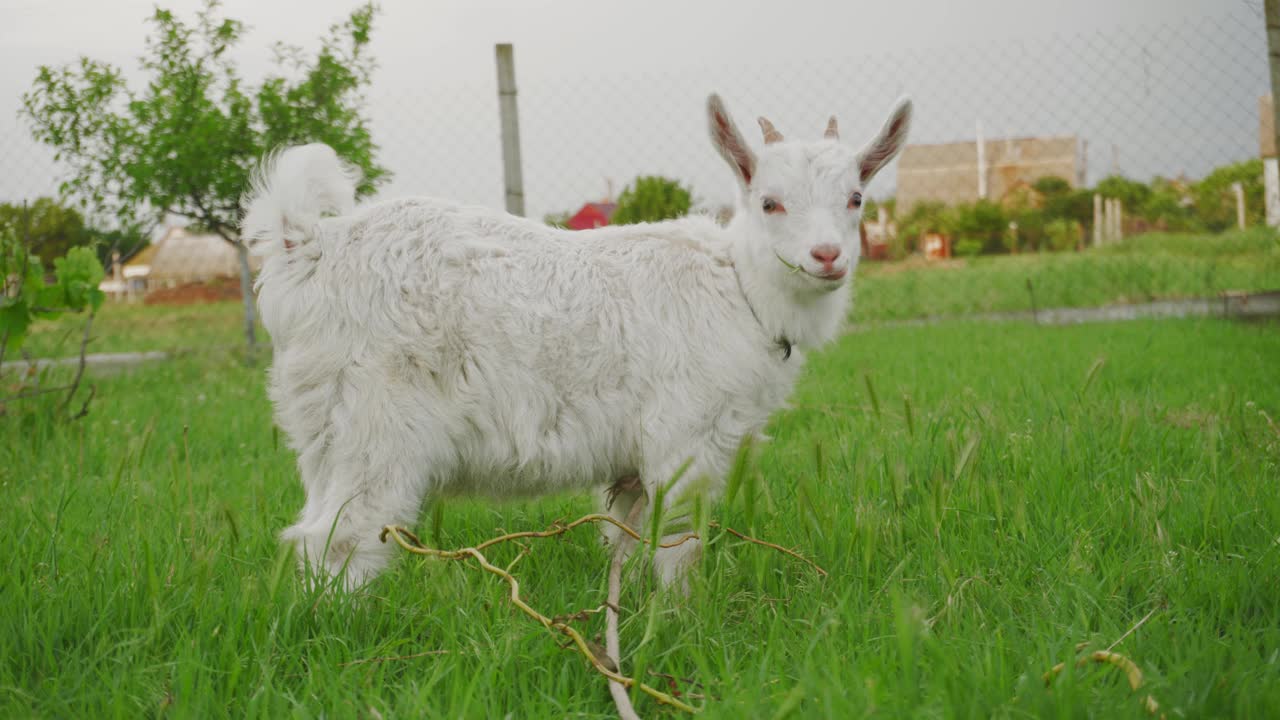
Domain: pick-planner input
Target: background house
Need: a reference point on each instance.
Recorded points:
(592, 215)
(951, 172)
(179, 257)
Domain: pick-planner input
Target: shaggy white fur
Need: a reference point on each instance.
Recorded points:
(426, 348)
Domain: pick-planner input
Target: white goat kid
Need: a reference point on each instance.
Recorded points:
(424, 348)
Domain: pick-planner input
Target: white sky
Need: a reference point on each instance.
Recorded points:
(433, 50)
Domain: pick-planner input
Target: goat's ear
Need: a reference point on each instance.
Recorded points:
(892, 137)
(727, 139)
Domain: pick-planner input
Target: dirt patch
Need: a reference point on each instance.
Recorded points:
(216, 290)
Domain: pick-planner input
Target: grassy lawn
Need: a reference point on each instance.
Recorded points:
(1138, 270)
(128, 327)
(984, 498)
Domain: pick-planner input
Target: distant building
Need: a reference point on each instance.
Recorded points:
(949, 172)
(177, 258)
(592, 215)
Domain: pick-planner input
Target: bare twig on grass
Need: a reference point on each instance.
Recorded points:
(606, 663)
(779, 548)
(75, 382)
(673, 682)
(1130, 669)
(410, 542)
(1133, 629)
(560, 528)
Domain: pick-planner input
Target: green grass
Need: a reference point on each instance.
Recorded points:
(1034, 499)
(1140, 269)
(129, 327)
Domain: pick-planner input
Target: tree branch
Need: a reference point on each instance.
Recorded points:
(75, 383)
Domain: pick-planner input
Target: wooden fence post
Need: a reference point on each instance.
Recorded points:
(513, 177)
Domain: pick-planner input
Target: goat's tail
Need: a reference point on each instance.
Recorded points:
(290, 192)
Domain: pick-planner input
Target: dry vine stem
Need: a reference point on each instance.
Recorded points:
(1131, 671)
(399, 534)
(410, 542)
(779, 548)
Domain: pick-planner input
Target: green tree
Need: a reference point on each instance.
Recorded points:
(1062, 202)
(1132, 194)
(1216, 201)
(126, 241)
(652, 198)
(1168, 208)
(51, 228)
(1051, 186)
(185, 143)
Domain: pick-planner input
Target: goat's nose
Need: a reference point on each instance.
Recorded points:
(825, 254)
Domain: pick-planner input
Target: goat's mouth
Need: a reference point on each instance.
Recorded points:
(834, 275)
(827, 275)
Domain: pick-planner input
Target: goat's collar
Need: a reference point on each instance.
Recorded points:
(782, 341)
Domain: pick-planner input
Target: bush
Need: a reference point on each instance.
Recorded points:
(25, 298)
(984, 222)
(1131, 193)
(1051, 186)
(1216, 202)
(925, 217)
(652, 198)
(1165, 208)
(1030, 231)
(1060, 235)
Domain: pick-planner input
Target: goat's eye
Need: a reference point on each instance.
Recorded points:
(771, 206)
(855, 200)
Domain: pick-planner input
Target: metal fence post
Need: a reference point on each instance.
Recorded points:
(1238, 189)
(1097, 219)
(513, 178)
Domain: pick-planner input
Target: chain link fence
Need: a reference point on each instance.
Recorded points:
(1011, 139)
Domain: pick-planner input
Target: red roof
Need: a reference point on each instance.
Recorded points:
(592, 215)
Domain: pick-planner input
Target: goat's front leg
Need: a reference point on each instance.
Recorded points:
(617, 500)
(702, 477)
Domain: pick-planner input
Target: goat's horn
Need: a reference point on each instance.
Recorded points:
(771, 134)
(833, 132)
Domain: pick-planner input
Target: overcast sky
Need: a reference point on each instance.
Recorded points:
(435, 82)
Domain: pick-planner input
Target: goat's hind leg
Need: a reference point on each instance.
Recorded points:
(367, 479)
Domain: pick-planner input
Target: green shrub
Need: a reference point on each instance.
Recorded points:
(1060, 235)
(984, 222)
(26, 297)
(1131, 193)
(1216, 202)
(1030, 232)
(652, 198)
(925, 217)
